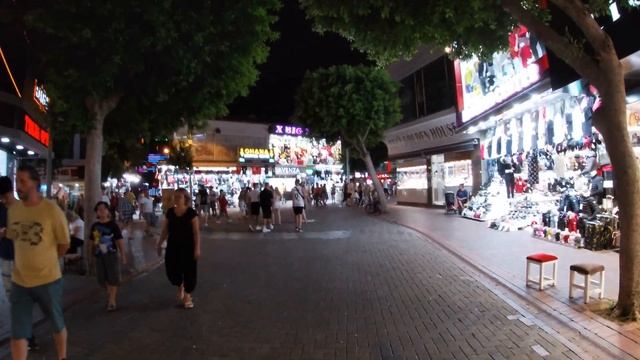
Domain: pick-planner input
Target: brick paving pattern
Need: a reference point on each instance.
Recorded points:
(350, 287)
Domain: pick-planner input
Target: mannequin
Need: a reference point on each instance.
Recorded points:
(559, 165)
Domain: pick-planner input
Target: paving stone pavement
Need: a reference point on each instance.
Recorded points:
(350, 287)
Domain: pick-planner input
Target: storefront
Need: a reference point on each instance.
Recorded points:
(23, 108)
(432, 159)
(545, 168)
(297, 156)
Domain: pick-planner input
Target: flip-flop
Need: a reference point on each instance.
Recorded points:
(111, 307)
(188, 304)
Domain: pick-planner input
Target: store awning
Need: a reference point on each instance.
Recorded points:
(467, 145)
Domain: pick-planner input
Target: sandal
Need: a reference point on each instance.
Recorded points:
(111, 307)
(188, 302)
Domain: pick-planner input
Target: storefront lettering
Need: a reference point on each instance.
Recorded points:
(40, 96)
(35, 131)
(260, 154)
(287, 170)
(292, 130)
(432, 134)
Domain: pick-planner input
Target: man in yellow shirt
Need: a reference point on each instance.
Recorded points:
(40, 236)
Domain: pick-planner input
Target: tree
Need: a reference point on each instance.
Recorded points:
(391, 29)
(164, 63)
(353, 103)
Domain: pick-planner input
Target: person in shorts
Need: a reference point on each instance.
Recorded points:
(266, 202)
(298, 196)
(126, 209)
(254, 206)
(108, 248)
(40, 235)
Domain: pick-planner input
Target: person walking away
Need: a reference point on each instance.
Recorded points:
(254, 197)
(40, 236)
(76, 231)
(297, 194)
(108, 248)
(325, 195)
(307, 201)
(351, 189)
(146, 208)
(203, 202)
(6, 246)
(223, 203)
(266, 202)
(181, 231)
(333, 193)
(213, 202)
(242, 205)
(126, 210)
(277, 205)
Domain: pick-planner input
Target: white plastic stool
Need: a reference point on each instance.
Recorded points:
(587, 270)
(541, 259)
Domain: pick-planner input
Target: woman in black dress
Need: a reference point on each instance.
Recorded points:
(181, 230)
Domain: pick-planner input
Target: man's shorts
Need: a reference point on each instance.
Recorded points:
(266, 211)
(47, 296)
(255, 208)
(108, 269)
(297, 210)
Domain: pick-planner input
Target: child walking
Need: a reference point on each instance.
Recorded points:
(108, 248)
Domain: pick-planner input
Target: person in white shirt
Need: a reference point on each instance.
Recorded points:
(298, 196)
(146, 210)
(254, 200)
(76, 231)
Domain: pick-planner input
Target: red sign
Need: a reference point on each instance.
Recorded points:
(35, 131)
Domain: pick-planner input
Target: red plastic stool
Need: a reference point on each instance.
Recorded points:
(542, 259)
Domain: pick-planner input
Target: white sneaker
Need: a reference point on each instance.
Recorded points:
(265, 230)
(271, 227)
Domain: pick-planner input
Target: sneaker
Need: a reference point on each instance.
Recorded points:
(265, 230)
(33, 344)
(271, 227)
(251, 228)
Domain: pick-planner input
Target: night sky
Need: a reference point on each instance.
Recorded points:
(297, 50)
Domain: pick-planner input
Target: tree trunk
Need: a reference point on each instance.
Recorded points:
(98, 110)
(611, 121)
(366, 156)
(604, 71)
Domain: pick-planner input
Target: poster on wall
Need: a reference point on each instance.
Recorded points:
(484, 84)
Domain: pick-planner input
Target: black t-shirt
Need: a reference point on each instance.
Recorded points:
(266, 198)
(104, 236)
(181, 237)
(6, 246)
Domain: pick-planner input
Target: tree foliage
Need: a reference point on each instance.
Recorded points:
(353, 103)
(170, 62)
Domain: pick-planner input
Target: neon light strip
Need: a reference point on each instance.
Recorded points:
(6, 65)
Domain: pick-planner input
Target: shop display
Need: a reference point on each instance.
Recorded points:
(303, 151)
(413, 177)
(546, 169)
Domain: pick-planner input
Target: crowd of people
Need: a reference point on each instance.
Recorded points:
(39, 239)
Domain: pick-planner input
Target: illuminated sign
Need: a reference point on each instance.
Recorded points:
(255, 155)
(292, 130)
(287, 170)
(155, 158)
(35, 131)
(40, 96)
(484, 84)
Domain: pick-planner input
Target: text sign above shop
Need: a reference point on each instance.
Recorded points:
(292, 130)
(484, 84)
(261, 155)
(287, 171)
(426, 134)
(35, 131)
(40, 96)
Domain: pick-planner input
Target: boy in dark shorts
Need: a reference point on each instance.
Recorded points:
(108, 247)
(266, 201)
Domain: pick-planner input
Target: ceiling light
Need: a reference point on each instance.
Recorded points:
(30, 152)
(19, 147)
(5, 140)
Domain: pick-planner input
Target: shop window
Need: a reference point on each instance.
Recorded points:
(407, 98)
(421, 105)
(412, 177)
(438, 85)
